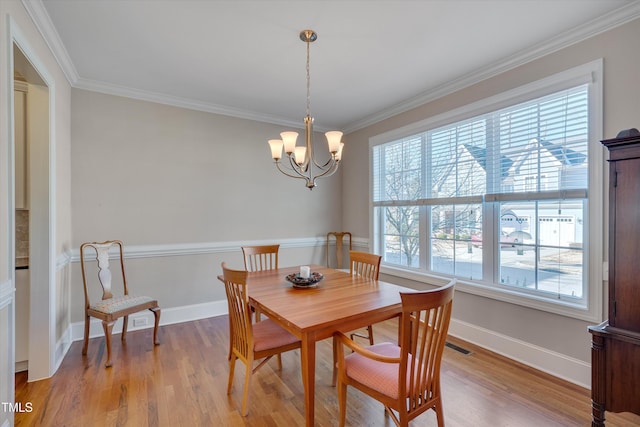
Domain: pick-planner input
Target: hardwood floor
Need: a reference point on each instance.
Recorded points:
(182, 382)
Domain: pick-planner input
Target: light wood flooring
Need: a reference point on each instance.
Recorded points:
(182, 382)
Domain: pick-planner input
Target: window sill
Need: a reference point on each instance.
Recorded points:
(563, 308)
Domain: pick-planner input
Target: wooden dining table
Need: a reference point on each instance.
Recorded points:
(339, 302)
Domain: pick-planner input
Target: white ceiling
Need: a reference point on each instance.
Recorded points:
(244, 58)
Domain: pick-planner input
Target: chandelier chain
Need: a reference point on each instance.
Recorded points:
(308, 80)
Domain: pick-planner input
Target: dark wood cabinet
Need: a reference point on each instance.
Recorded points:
(615, 347)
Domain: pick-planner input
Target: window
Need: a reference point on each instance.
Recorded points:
(498, 194)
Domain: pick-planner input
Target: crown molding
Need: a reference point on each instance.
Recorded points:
(176, 101)
(611, 20)
(600, 25)
(42, 21)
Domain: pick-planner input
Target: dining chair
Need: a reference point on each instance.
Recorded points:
(261, 257)
(111, 307)
(251, 341)
(405, 378)
(366, 265)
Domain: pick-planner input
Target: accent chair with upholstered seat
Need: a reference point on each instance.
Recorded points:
(111, 307)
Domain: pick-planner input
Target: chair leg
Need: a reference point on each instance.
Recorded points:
(403, 419)
(230, 341)
(86, 334)
(369, 335)
(156, 315)
(245, 393)
(439, 413)
(108, 327)
(232, 366)
(342, 403)
(335, 368)
(125, 323)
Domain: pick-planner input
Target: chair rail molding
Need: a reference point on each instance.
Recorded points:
(196, 248)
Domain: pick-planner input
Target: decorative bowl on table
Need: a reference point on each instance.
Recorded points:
(305, 282)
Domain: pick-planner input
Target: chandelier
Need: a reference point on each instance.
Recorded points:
(302, 162)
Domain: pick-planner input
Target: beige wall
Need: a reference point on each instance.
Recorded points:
(151, 174)
(154, 174)
(621, 111)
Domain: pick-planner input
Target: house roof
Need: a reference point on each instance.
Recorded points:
(480, 155)
(565, 156)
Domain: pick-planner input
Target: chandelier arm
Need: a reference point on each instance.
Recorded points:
(319, 166)
(287, 171)
(329, 171)
(310, 180)
(329, 163)
(302, 170)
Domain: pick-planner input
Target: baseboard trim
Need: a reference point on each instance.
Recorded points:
(559, 365)
(22, 366)
(62, 347)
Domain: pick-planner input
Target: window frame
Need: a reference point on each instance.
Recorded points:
(594, 268)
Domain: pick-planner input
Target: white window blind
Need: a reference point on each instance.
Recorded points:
(499, 197)
(400, 171)
(537, 146)
(542, 144)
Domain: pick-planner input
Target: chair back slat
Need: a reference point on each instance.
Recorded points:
(239, 311)
(104, 273)
(364, 264)
(424, 327)
(262, 257)
(339, 237)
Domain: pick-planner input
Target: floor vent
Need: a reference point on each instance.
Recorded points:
(457, 348)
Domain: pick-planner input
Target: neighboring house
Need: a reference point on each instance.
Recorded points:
(467, 177)
(563, 166)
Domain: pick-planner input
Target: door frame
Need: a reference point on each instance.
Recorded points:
(42, 263)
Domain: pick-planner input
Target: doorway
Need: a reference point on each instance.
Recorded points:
(33, 180)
